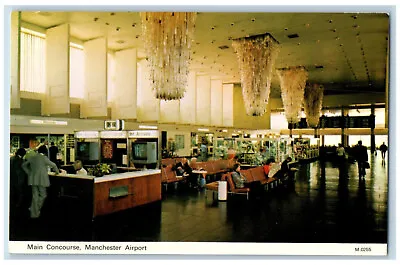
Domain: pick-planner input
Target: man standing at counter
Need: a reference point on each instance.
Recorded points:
(36, 167)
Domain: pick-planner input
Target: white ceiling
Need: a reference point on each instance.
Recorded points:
(352, 48)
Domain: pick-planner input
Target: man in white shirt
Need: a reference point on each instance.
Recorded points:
(79, 168)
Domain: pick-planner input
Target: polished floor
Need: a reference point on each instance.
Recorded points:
(318, 207)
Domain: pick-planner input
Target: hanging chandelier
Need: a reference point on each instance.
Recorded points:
(256, 56)
(293, 81)
(167, 39)
(313, 96)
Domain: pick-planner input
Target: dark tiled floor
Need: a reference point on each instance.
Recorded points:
(319, 207)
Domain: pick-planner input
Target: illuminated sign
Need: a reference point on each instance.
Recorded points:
(117, 125)
(48, 122)
(87, 134)
(143, 134)
(113, 134)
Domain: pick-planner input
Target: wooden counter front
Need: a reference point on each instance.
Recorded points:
(108, 194)
(142, 188)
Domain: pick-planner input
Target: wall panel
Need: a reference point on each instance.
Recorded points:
(216, 103)
(15, 54)
(57, 71)
(203, 100)
(125, 93)
(95, 103)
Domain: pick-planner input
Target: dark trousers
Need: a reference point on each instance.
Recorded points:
(361, 168)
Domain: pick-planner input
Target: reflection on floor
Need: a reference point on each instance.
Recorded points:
(319, 207)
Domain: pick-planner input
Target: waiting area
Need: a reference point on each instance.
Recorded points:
(318, 207)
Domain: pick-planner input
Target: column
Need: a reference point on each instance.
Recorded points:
(372, 130)
(344, 138)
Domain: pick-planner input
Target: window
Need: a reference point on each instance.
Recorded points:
(33, 62)
(278, 121)
(380, 118)
(359, 112)
(76, 72)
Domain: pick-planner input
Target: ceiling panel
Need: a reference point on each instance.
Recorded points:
(351, 47)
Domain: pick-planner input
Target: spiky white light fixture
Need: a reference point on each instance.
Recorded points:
(313, 97)
(292, 81)
(256, 56)
(168, 37)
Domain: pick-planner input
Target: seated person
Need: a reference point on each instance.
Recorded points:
(284, 168)
(79, 170)
(184, 169)
(241, 181)
(267, 166)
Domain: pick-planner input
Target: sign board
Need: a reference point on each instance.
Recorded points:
(87, 134)
(113, 134)
(117, 125)
(143, 134)
(338, 122)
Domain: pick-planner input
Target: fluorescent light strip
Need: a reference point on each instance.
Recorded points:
(34, 33)
(49, 122)
(224, 130)
(203, 130)
(148, 127)
(74, 45)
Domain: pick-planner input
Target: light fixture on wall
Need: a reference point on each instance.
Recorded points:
(148, 127)
(167, 38)
(313, 97)
(292, 81)
(256, 57)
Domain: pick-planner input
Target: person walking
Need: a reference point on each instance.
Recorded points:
(36, 167)
(361, 156)
(341, 158)
(383, 148)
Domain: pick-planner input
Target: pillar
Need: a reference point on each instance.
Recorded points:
(344, 138)
(372, 130)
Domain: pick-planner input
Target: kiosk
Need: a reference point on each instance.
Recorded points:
(144, 148)
(87, 147)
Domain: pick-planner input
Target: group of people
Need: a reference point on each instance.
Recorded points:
(360, 154)
(256, 188)
(29, 179)
(184, 169)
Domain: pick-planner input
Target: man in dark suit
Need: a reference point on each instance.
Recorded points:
(36, 166)
(361, 155)
(53, 151)
(18, 182)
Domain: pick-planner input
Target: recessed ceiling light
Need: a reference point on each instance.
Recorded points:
(118, 28)
(134, 25)
(107, 23)
(223, 47)
(120, 41)
(293, 36)
(253, 19)
(95, 19)
(232, 24)
(112, 14)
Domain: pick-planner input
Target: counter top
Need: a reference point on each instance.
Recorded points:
(125, 175)
(133, 174)
(65, 175)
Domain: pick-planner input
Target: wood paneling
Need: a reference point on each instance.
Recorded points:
(142, 190)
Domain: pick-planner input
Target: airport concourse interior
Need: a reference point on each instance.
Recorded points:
(199, 126)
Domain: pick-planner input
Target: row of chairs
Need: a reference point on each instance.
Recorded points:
(252, 174)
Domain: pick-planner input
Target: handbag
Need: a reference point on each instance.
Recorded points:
(367, 165)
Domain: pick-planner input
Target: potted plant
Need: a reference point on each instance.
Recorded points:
(99, 170)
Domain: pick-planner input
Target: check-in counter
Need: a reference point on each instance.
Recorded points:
(108, 194)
